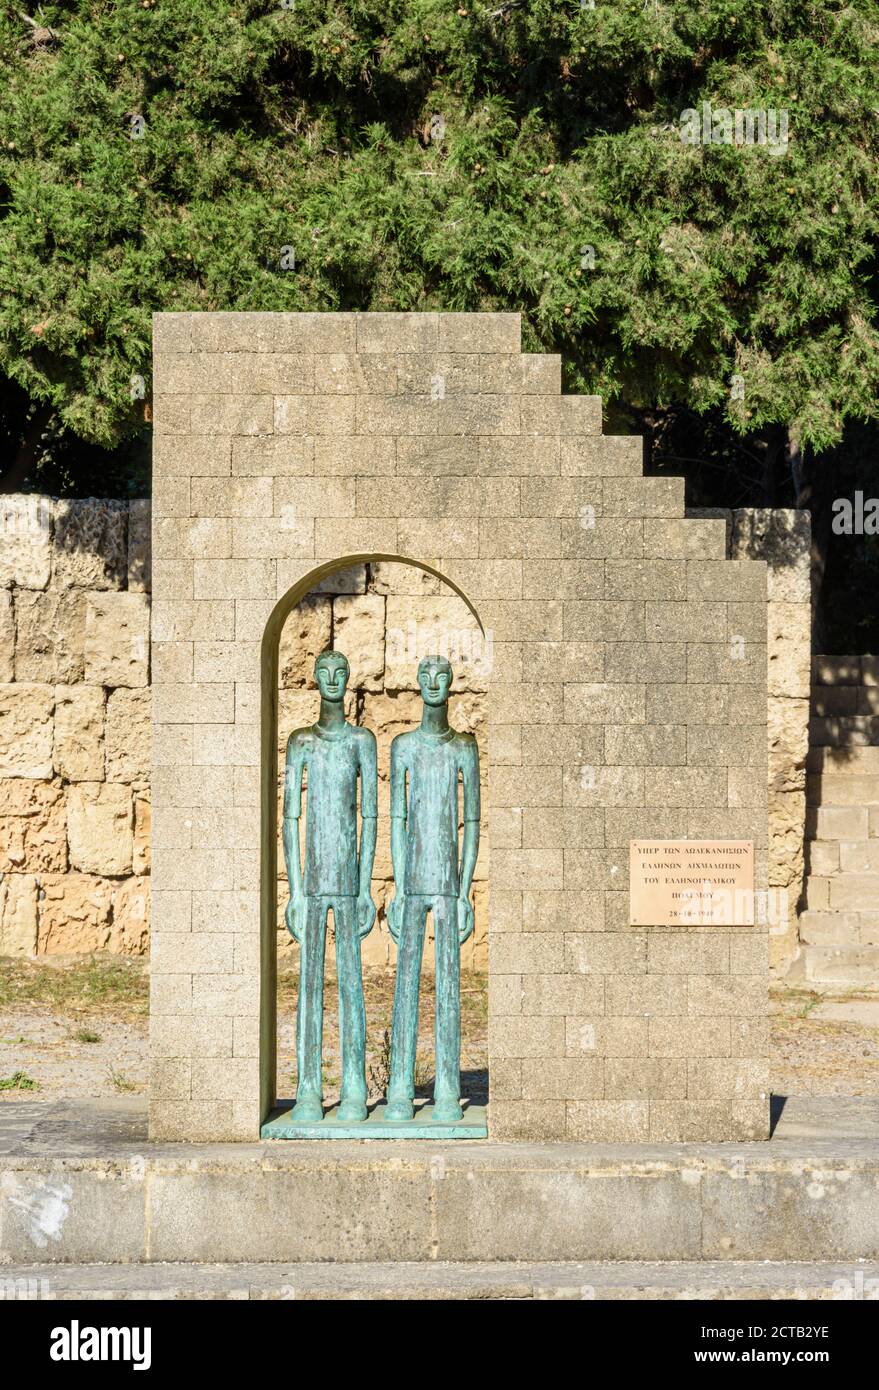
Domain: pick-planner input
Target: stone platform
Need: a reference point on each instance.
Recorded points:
(80, 1184)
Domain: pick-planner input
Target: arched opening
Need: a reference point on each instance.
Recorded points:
(269, 712)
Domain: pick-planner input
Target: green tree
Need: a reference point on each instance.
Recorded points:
(415, 154)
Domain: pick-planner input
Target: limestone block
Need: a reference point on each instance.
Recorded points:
(139, 552)
(306, 633)
(25, 540)
(788, 733)
(7, 636)
(33, 826)
(99, 820)
(787, 816)
(26, 725)
(404, 581)
(442, 626)
(789, 649)
(398, 332)
(192, 457)
(129, 741)
(74, 913)
(783, 539)
(50, 634)
(91, 545)
(140, 858)
(79, 733)
(117, 628)
(18, 915)
(488, 332)
(601, 456)
(359, 632)
(216, 414)
(612, 1121)
(130, 927)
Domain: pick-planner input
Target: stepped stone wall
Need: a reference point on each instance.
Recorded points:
(627, 698)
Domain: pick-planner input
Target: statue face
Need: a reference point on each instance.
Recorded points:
(331, 674)
(434, 678)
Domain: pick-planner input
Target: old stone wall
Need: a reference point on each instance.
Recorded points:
(74, 726)
(783, 539)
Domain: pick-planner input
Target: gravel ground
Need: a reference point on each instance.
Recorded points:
(79, 1029)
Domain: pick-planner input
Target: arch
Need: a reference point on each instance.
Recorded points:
(269, 660)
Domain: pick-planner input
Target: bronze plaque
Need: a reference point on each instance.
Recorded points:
(691, 883)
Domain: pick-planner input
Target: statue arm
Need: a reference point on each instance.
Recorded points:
(290, 834)
(398, 839)
(398, 817)
(368, 822)
(472, 812)
(470, 846)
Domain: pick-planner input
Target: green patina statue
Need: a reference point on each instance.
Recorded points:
(426, 766)
(333, 754)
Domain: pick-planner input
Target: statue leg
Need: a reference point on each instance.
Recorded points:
(310, 1013)
(404, 1026)
(352, 1011)
(447, 1087)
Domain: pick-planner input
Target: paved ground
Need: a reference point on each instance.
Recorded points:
(80, 1029)
(604, 1280)
(117, 1127)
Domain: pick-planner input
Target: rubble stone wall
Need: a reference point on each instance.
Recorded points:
(74, 726)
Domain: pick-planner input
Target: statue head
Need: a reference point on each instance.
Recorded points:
(331, 673)
(434, 678)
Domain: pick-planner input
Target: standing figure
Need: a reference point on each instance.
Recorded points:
(334, 754)
(428, 877)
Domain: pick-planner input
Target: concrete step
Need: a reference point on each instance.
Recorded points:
(859, 856)
(842, 789)
(427, 1280)
(842, 965)
(839, 823)
(843, 730)
(819, 928)
(829, 857)
(822, 856)
(834, 700)
(845, 670)
(843, 760)
(843, 893)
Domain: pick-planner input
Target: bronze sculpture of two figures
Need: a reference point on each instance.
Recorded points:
(433, 874)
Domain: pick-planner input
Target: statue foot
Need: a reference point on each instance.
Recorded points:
(447, 1111)
(399, 1110)
(351, 1111)
(307, 1111)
